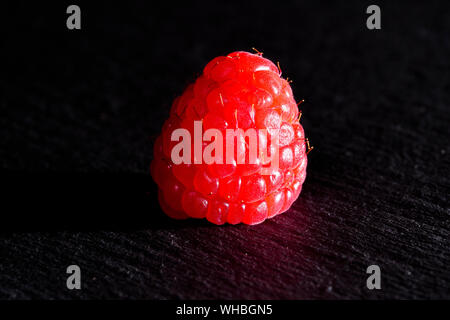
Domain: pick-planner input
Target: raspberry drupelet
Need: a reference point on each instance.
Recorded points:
(238, 91)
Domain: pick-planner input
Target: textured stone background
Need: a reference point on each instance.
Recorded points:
(86, 106)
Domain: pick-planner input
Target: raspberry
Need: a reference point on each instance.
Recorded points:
(238, 91)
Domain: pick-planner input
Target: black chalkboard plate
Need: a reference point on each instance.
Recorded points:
(80, 110)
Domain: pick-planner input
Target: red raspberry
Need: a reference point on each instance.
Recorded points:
(239, 91)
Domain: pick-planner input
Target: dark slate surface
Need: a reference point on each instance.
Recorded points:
(376, 110)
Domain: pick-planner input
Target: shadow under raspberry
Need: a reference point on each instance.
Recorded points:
(80, 201)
